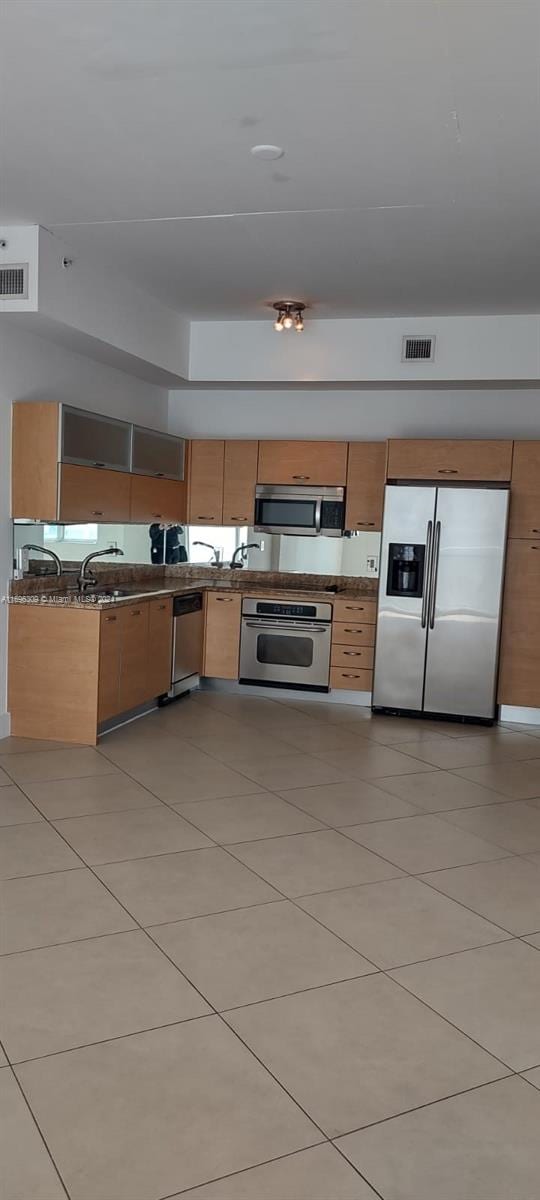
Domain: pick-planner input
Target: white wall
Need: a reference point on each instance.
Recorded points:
(368, 348)
(32, 368)
(349, 413)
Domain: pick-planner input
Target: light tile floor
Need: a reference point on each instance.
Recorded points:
(264, 950)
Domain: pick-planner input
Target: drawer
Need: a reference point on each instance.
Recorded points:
(352, 657)
(352, 633)
(356, 610)
(353, 681)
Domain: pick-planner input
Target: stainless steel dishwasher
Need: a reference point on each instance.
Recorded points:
(187, 642)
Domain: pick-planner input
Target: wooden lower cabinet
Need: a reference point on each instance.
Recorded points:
(158, 500)
(53, 659)
(134, 627)
(352, 656)
(223, 611)
(88, 494)
(362, 611)
(159, 646)
(351, 679)
(109, 666)
(519, 674)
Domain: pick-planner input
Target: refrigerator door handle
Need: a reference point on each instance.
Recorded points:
(427, 574)
(435, 574)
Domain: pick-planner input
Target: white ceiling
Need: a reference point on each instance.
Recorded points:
(411, 179)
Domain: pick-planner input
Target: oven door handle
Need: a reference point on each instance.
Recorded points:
(287, 628)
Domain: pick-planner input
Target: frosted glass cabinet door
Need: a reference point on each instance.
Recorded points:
(158, 454)
(90, 440)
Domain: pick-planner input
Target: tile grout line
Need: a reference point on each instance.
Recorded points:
(33, 1118)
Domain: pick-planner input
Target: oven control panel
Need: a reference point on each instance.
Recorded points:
(271, 608)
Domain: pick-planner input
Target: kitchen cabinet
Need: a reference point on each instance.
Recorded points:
(352, 656)
(205, 488)
(162, 500)
(133, 621)
(221, 652)
(525, 491)
(159, 655)
(157, 454)
(364, 611)
(323, 463)
(353, 680)
(110, 656)
(53, 659)
(366, 474)
(353, 633)
(239, 480)
(449, 460)
(90, 494)
(92, 440)
(519, 673)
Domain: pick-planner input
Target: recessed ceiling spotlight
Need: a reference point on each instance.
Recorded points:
(290, 313)
(267, 152)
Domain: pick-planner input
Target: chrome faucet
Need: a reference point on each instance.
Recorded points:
(85, 580)
(216, 561)
(45, 550)
(242, 551)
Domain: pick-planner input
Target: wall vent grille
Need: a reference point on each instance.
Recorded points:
(14, 280)
(418, 349)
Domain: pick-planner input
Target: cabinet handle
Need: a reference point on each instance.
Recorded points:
(536, 530)
(352, 653)
(110, 618)
(301, 476)
(349, 676)
(97, 512)
(354, 607)
(224, 599)
(370, 523)
(201, 517)
(353, 631)
(161, 607)
(135, 612)
(447, 471)
(242, 518)
(157, 514)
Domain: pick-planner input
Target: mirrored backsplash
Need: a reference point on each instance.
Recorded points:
(352, 555)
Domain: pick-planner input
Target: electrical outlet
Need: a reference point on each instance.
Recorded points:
(372, 564)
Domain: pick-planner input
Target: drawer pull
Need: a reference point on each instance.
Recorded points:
(349, 676)
(224, 599)
(354, 607)
(301, 476)
(110, 618)
(238, 518)
(97, 512)
(352, 653)
(201, 517)
(536, 530)
(353, 631)
(447, 471)
(135, 612)
(370, 523)
(157, 514)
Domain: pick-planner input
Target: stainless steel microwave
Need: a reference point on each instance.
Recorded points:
(308, 511)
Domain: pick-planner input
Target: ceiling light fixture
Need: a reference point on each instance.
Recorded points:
(290, 313)
(267, 153)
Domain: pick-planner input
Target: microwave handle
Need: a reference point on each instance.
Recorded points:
(318, 515)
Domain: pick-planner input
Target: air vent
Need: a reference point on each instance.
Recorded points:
(418, 349)
(14, 280)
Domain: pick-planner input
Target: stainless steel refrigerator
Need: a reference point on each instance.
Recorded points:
(440, 591)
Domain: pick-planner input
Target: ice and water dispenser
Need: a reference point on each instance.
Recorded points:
(405, 569)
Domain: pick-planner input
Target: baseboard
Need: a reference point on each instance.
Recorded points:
(522, 716)
(5, 724)
(336, 696)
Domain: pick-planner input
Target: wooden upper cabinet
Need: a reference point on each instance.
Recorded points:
(34, 470)
(239, 479)
(157, 500)
(519, 676)
(90, 494)
(321, 463)
(447, 460)
(159, 646)
(205, 488)
(223, 611)
(525, 491)
(365, 485)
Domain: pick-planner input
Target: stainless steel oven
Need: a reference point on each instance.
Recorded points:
(285, 644)
(308, 511)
